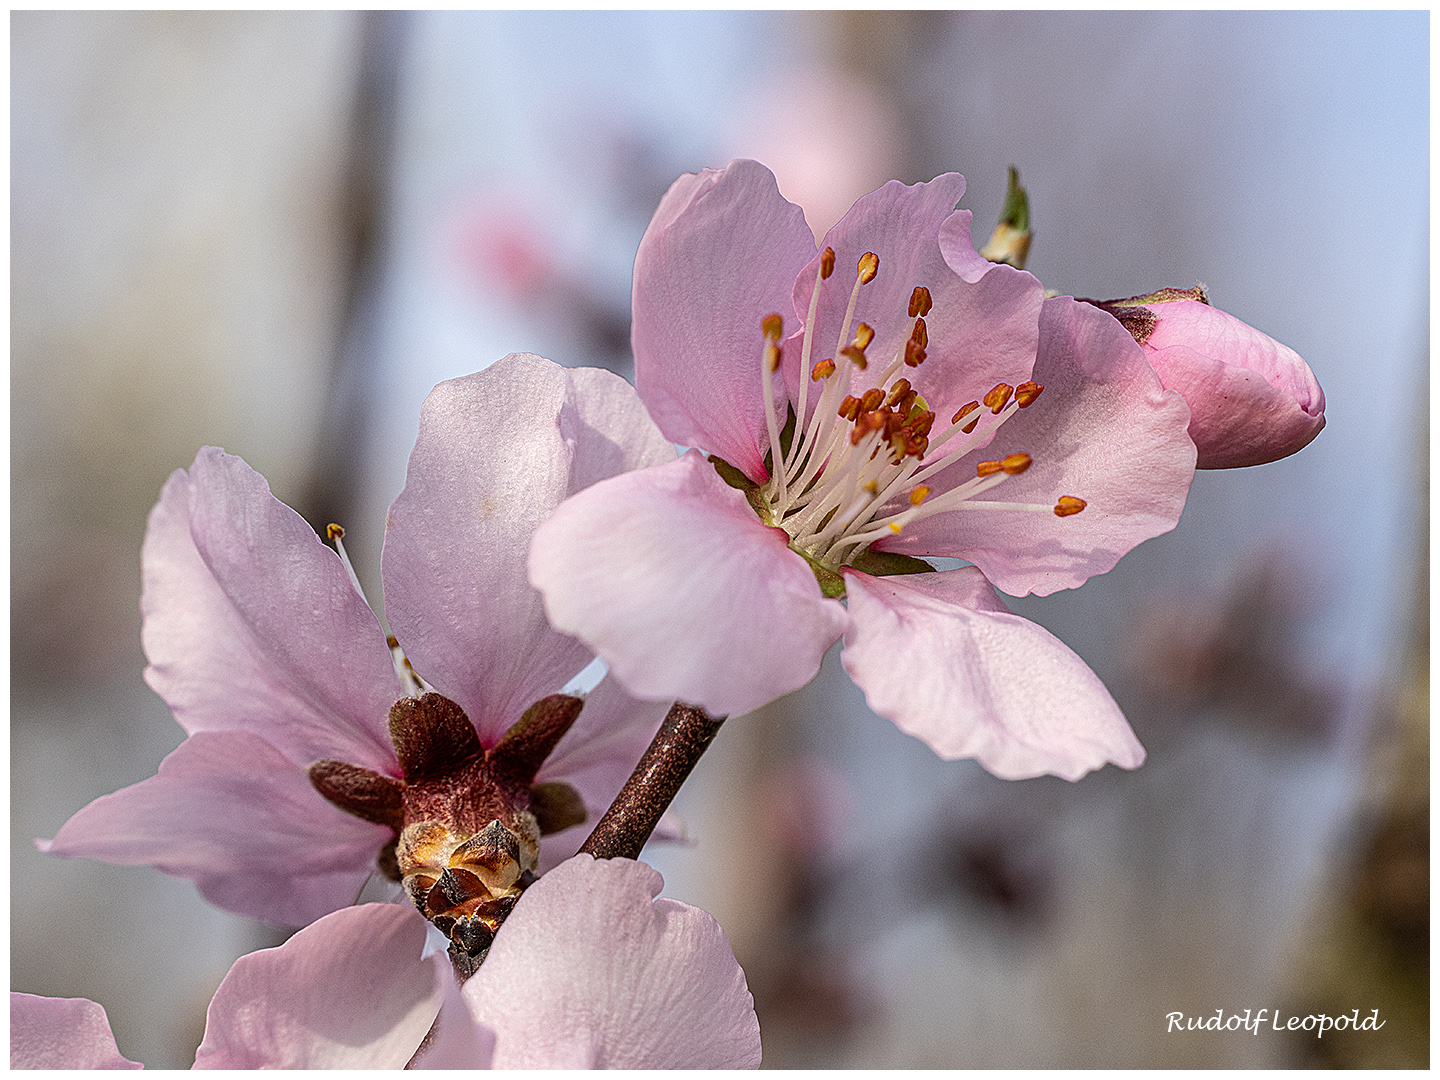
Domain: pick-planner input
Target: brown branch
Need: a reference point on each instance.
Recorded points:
(686, 733)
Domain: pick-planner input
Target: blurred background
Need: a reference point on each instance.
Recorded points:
(275, 232)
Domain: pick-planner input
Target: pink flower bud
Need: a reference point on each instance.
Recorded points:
(1251, 399)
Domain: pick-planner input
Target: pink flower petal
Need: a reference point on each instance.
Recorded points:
(959, 248)
(497, 452)
(941, 656)
(1251, 399)
(233, 814)
(669, 575)
(350, 991)
(596, 756)
(252, 623)
(1102, 430)
(591, 970)
(62, 1033)
(980, 332)
(458, 1040)
(720, 254)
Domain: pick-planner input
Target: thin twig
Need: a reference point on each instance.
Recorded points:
(685, 735)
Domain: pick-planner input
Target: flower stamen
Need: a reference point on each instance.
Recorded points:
(858, 453)
(1026, 393)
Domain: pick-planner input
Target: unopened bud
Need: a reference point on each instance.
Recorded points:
(1010, 242)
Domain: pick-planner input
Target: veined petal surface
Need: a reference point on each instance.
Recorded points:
(941, 656)
(981, 332)
(230, 812)
(720, 254)
(62, 1033)
(251, 623)
(591, 970)
(497, 452)
(348, 992)
(1103, 430)
(669, 575)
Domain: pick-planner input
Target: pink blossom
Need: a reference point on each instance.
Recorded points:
(1252, 399)
(61, 1033)
(590, 971)
(719, 582)
(283, 680)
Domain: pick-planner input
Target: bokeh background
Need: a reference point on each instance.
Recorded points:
(275, 232)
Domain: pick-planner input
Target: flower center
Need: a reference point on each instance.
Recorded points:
(858, 471)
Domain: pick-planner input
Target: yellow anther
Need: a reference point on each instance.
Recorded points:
(999, 396)
(856, 356)
(1027, 392)
(1067, 505)
(871, 399)
(920, 301)
(895, 526)
(919, 495)
(823, 370)
(827, 263)
(772, 356)
(849, 407)
(864, 334)
(920, 335)
(332, 531)
(868, 267)
(987, 468)
(901, 387)
(773, 326)
(1015, 464)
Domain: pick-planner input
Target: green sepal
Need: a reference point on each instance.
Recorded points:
(832, 585)
(1016, 211)
(556, 805)
(740, 482)
(889, 564)
(731, 475)
(1159, 296)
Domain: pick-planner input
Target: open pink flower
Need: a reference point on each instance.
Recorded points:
(283, 679)
(920, 382)
(1252, 399)
(590, 971)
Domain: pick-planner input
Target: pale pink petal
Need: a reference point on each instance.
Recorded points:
(596, 757)
(62, 1033)
(1103, 430)
(720, 254)
(981, 332)
(941, 656)
(233, 814)
(668, 574)
(348, 992)
(959, 248)
(1251, 399)
(251, 622)
(591, 970)
(457, 1040)
(497, 453)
